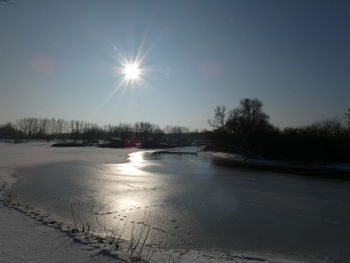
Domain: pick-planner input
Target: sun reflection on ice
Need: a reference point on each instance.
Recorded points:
(136, 158)
(132, 181)
(128, 203)
(134, 166)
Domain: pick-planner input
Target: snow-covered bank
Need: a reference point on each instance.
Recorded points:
(28, 236)
(23, 239)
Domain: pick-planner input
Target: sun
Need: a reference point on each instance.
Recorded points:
(131, 71)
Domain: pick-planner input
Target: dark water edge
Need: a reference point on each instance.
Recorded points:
(314, 170)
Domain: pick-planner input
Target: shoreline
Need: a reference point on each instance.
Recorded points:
(328, 171)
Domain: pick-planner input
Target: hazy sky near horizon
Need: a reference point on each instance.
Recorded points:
(58, 59)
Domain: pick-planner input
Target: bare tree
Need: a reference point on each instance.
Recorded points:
(219, 120)
(248, 117)
(170, 129)
(76, 128)
(146, 132)
(329, 128)
(123, 131)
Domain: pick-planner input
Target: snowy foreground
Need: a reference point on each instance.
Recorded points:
(24, 239)
(29, 235)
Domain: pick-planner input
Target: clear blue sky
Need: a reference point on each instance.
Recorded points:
(57, 59)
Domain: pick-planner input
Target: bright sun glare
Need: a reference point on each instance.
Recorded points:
(131, 71)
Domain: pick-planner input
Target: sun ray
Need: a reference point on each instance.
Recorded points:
(130, 68)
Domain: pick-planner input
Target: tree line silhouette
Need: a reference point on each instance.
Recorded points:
(246, 130)
(145, 134)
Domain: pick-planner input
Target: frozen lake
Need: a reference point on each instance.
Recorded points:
(189, 202)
